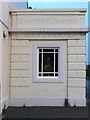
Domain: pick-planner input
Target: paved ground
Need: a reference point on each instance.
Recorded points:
(46, 112)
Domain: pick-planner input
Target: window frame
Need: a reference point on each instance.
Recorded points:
(61, 74)
(42, 62)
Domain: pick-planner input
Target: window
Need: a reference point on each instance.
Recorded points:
(47, 62)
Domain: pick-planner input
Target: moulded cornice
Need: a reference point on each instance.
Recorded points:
(70, 30)
(50, 10)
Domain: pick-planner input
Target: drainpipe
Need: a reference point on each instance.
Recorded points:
(27, 4)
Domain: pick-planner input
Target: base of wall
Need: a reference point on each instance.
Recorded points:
(40, 102)
(36, 101)
(77, 102)
(4, 103)
(46, 101)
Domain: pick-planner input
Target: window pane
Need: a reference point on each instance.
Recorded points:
(56, 74)
(48, 50)
(56, 62)
(40, 50)
(48, 62)
(48, 74)
(56, 50)
(40, 62)
(40, 74)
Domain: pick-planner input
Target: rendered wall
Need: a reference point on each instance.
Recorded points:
(4, 54)
(29, 27)
(21, 67)
(77, 68)
(5, 24)
(21, 73)
(0, 65)
(4, 16)
(5, 66)
(48, 18)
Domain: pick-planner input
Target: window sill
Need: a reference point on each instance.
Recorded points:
(46, 80)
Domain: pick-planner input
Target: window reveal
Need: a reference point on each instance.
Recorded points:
(48, 62)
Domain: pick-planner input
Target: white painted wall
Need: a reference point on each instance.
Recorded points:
(5, 24)
(21, 68)
(22, 83)
(4, 54)
(4, 16)
(77, 68)
(21, 60)
(4, 66)
(0, 63)
(48, 18)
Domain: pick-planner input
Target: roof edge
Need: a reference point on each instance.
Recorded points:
(84, 30)
(50, 10)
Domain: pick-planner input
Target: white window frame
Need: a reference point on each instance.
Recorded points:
(42, 61)
(62, 55)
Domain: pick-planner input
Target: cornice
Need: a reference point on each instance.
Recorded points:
(49, 10)
(61, 30)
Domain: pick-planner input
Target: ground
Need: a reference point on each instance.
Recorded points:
(46, 112)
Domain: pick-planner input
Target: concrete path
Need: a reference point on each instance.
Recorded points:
(46, 112)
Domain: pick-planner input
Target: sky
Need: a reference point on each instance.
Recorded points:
(55, 4)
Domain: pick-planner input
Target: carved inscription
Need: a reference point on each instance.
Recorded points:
(43, 35)
(47, 36)
(46, 21)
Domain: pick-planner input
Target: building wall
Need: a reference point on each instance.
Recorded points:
(21, 73)
(5, 66)
(21, 68)
(47, 19)
(4, 16)
(0, 65)
(4, 55)
(77, 68)
(24, 35)
(5, 24)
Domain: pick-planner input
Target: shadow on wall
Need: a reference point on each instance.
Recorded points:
(88, 71)
(88, 79)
